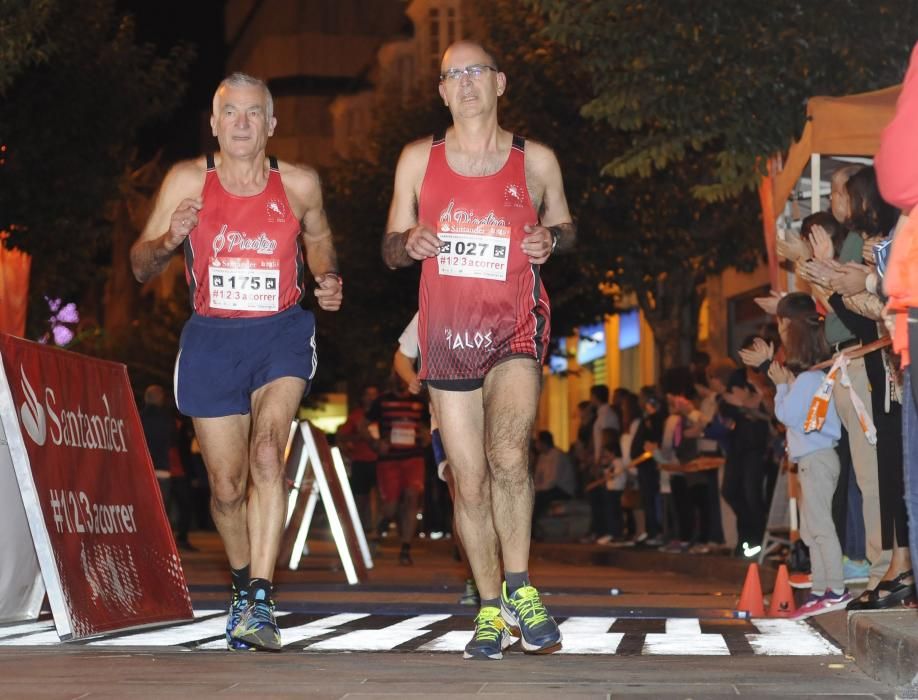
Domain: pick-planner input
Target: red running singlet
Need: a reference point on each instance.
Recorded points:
(481, 300)
(244, 259)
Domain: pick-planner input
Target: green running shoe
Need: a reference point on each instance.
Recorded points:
(491, 636)
(528, 619)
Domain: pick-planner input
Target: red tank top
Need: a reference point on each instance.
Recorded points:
(244, 258)
(480, 299)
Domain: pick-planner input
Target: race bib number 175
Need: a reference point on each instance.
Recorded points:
(241, 284)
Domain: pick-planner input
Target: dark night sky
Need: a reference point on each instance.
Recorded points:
(166, 23)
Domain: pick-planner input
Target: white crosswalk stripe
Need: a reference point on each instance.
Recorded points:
(789, 638)
(25, 628)
(172, 635)
(451, 641)
(589, 635)
(311, 630)
(45, 638)
(379, 640)
(684, 637)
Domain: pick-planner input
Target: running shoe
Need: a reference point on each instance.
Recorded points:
(856, 571)
(491, 636)
(258, 628)
(470, 596)
(528, 619)
(238, 604)
(824, 603)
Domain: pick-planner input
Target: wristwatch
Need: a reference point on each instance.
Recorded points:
(555, 236)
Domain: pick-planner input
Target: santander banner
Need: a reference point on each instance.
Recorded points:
(100, 531)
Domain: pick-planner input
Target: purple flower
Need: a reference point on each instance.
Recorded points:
(62, 335)
(69, 314)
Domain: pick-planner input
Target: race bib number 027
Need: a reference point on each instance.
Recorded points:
(481, 253)
(244, 284)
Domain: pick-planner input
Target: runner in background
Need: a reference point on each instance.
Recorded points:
(404, 364)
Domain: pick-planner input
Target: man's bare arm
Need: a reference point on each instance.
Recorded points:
(404, 368)
(406, 240)
(556, 233)
(174, 215)
(317, 238)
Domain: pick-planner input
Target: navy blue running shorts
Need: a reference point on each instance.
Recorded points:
(221, 361)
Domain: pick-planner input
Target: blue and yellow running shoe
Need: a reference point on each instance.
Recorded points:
(257, 626)
(238, 604)
(527, 618)
(491, 636)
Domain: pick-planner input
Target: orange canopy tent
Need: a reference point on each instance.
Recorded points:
(849, 125)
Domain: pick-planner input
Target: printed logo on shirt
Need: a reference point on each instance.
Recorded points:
(466, 220)
(513, 195)
(237, 241)
(277, 212)
(468, 340)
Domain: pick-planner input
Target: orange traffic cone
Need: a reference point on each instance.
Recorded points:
(751, 601)
(782, 598)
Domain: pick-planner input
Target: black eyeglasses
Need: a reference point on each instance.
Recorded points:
(474, 72)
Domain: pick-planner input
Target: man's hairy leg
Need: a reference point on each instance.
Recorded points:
(273, 408)
(511, 399)
(224, 447)
(462, 429)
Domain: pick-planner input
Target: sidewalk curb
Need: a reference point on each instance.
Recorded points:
(885, 645)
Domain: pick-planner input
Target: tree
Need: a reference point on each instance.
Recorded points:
(725, 81)
(23, 37)
(646, 237)
(71, 116)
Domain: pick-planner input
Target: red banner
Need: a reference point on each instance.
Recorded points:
(92, 479)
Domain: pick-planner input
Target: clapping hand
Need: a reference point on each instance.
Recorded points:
(793, 247)
(851, 279)
(759, 353)
(822, 243)
(819, 272)
(769, 304)
(780, 374)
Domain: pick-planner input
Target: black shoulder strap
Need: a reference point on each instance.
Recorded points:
(273, 161)
(439, 137)
(210, 161)
(519, 142)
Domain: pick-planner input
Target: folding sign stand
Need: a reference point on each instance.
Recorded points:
(317, 472)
